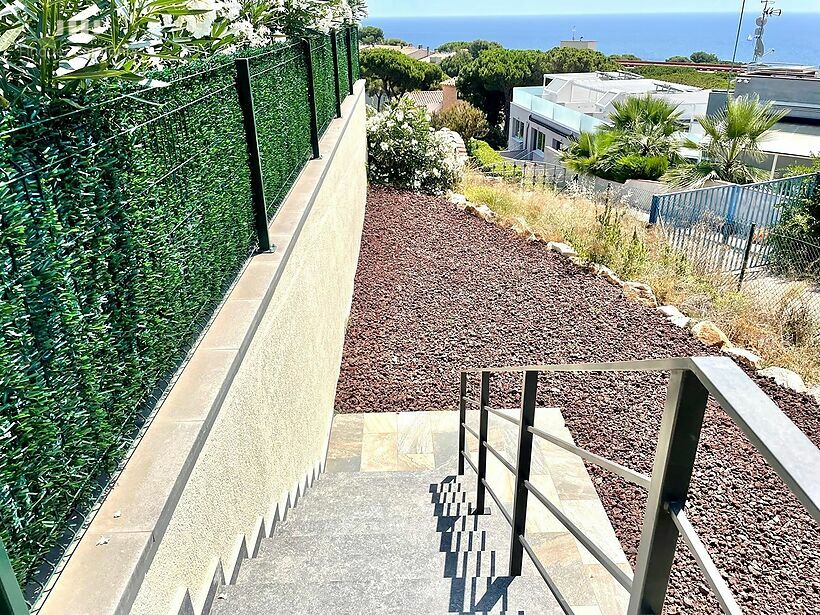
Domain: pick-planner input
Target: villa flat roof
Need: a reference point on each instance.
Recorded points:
(598, 82)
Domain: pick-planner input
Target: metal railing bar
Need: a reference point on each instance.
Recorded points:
(469, 461)
(470, 430)
(590, 546)
(783, 445)
(787, 449)
(500, 457)
(497, 501)
(646, 365)
(642, 480)
(704, 560)
(500, 413)
(472, 402)
(559, 597)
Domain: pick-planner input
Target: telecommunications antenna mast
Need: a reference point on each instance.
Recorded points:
(760, 22)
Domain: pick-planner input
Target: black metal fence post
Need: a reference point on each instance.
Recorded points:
(671, 474)
(245, 93)
(519, 513)
(462, 420)
(349, 45)
(746, 254)
(311, 95)
(334, 46)
(483, 424)
(12, 601)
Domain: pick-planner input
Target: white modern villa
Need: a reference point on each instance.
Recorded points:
(543, 119)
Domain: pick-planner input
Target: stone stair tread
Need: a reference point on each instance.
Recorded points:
(359, 506)
(392, 542)
(390, 596)
(302, 523)
(400, 555)
(436, 477)
(377, 483)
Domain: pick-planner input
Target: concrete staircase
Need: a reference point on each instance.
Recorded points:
(386, 542)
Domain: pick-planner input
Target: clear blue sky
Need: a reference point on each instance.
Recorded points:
(406, 8)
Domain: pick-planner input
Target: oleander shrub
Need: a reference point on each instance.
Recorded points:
(405, 153)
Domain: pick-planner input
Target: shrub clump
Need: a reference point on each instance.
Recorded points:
(465, 119)
(405, 153)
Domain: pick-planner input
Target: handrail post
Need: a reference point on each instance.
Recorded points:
(311, 94)
(12, 601)
(483, 425)
(462, 420)
(519, 525)
(349, 45)
(334, 46)
(245, 94)
(671, 474)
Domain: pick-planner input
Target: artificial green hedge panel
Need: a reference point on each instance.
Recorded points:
(117, 241)
(354, 38)
(323, 77)
(121, 226)
(279, 83)
(341, 49)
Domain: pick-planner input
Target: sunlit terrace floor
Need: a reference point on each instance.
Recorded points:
(388, 442)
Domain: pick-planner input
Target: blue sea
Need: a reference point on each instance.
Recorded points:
(794, 37)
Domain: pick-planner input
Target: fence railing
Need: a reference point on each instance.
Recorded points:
(122, 224)
(735, 233)
(692, 382)
(759, 203)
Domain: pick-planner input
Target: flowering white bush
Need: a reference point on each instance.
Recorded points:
(405, 153)
(90, 41)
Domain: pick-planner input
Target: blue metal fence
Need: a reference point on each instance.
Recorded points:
(725, 227)
(758, 204)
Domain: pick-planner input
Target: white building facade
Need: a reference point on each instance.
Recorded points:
(544, 119)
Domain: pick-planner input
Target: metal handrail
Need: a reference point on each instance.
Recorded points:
(588, 544)
(12, 601)
(498, 502)
(499, 412)
(642, 480)
(692, 381)
(497, 454)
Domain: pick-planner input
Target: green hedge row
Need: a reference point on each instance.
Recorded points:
(121, 226)
(490, 161)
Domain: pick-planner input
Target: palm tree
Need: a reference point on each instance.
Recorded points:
(645, 111)
(587, 153)
(733, 136)
(646, 126)
(642, 133)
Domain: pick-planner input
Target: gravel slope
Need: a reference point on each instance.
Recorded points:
(437, 290)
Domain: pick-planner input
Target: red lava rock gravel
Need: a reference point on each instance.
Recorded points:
(438, 290)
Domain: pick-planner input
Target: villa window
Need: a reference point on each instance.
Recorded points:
(539, 140)
(518, 129)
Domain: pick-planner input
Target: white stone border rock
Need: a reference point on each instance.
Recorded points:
(706, 331)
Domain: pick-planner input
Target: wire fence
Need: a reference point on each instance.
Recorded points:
(122, 225)
(740, 235)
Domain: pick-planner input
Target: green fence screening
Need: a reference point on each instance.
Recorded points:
(121, 227)
(341, 49)
(324, 78)
(279, 85)
(354, 51)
